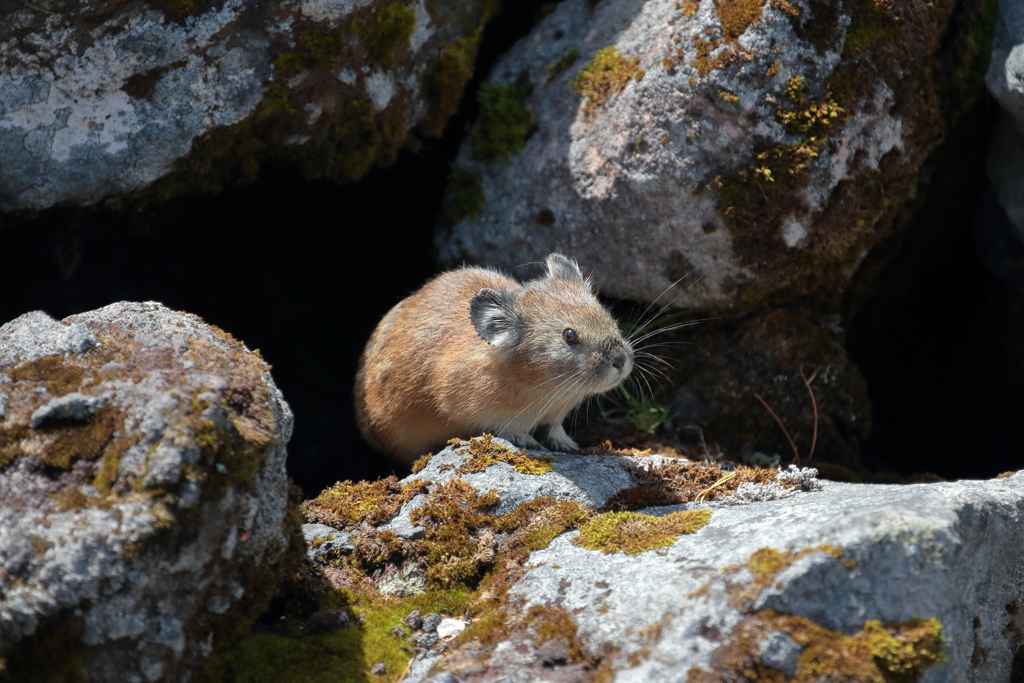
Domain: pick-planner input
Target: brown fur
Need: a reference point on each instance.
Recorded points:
(428, 374)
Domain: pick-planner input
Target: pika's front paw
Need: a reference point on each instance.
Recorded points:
(559, 441)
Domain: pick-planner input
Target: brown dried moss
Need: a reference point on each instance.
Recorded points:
(347, 504)
(674, 483)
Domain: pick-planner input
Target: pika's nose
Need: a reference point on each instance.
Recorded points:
(619, 360)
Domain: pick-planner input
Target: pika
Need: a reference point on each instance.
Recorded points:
(475, 351)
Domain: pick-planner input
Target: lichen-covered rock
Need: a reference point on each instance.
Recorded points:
(143, 495)
(101, 100)
(765, 146)
(849, 583)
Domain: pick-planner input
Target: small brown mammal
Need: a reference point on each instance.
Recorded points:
(475, 351)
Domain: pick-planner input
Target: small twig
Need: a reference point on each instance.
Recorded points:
(781, 426)
(407, 668)
(702, 496)
(814, 405)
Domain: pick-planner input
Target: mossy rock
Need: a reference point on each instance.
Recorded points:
(141, 457)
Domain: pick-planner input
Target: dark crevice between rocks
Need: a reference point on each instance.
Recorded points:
(930, 341)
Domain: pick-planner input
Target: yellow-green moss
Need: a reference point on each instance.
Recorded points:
(765, 563)
(468, 198)
(504, 124)
(634, 533)
(344, 655)
(385, 30)
(446, 81)
(737, 15)
(604, 77)
(482, 452)
(347, 503)
(421, 463)
(895, 653)
(313, 50)
(727, 96)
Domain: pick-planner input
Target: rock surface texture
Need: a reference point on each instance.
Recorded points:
(101, 100)
(770, 586)
(143, 494)
(762, 145)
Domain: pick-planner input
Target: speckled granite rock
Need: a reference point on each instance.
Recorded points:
(100, 100)
(143, 494)
(765, 587)
(763, 146)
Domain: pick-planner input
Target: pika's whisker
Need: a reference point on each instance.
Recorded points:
(638, 327)
(669, 328)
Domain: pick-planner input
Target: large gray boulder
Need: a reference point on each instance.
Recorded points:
(143, 494)
(743, 147)
(780, 577)
(101, 101)
(807, 584)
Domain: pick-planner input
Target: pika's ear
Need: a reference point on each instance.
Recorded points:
(563, 268)
(493, 315)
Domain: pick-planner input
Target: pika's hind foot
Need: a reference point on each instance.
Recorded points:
(557, 440)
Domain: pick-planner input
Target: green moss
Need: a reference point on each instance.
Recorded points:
(727, 96)
(313, 50)
(737, 15)
(604, 77)
(504, 124)
(344, 655)
(445, 83)
(634, 533)
(965, 63)
(347, 504)
(482, 452)
(764, 564)
(385, 30)
(468, 198)
(871, 22)
(562, 64)
(895, 653)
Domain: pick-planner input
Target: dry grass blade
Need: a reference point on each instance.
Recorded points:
(702, 496)
(792, 444)
(814, 405)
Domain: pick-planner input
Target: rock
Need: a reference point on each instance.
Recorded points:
(325, 543)
(141, 511)
(737, 148)
(846, 565)
(724, 156)
(329, 620)
(74, 407)
(431, 622)
(379, 669)
(781, 652)
(102, 101)
(450, 627)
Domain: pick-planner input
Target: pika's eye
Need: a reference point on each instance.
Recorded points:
(570, 336)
